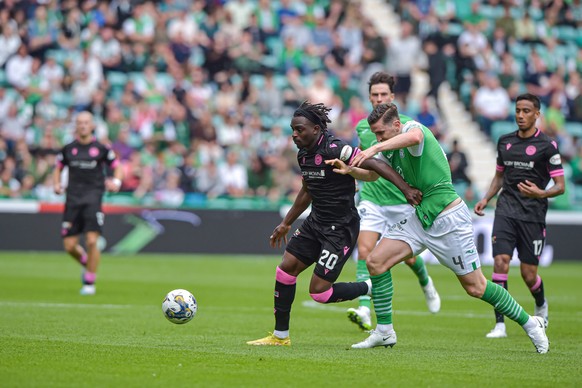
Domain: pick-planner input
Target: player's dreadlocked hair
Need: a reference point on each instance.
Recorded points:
(386, 112)
(316, 113)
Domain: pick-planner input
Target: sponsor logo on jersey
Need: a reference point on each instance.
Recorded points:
(518, 164)
(556, 160)
(346, 153)
(313, 174)
(84, 164)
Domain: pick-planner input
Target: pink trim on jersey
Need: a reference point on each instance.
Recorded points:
(555, 173)
(60, 165)
(354, 155)
(285, 278)
(322, 297)
(500, 168)
(115, 163)
(537, 285)
(320, 140)
(537, 132)
(500, 277)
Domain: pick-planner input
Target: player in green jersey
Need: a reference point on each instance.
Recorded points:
(381, 205)
(441, 223)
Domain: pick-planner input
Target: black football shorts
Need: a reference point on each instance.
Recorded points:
(328, 246)
(528, 238)
(81, 218)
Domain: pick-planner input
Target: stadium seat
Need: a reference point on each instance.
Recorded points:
(574, 129)
(3, 81)
(62, 99)
(566, 33)
(117, 79)
(500, 128)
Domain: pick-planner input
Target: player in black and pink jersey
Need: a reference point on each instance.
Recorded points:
(329, 234)
(527, 160)
(87, 160)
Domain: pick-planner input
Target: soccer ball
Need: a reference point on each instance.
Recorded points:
(179, 306)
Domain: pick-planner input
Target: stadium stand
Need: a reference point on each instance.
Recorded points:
(176, 86)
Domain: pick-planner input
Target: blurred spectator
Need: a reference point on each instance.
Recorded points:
(491, 103)
(18, 68)
(42, 32)
(233, 175)
(429, 119)
(458, 164)
(170, 194)
(107, 49)
(9, 42)
(436, 67)
(53, 73)
(403, 56)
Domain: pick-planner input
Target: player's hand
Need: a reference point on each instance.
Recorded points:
(362, 156)
(58, 189)
(413, 196)
(279, 235)
(113, 185)
(530, 189)
(479, 206)
(340, 166)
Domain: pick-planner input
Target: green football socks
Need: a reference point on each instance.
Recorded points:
(420, 271)
(503, 302)
(362, 275)
(382, 292)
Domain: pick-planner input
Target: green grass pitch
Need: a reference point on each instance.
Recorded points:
(52, 337)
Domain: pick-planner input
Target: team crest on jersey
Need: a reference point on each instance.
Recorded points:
(74, 151)
(93, 152)
(401, 154)
(318, 159)
(530, 150)
(556, 160)
(346, 153)
(507, 146)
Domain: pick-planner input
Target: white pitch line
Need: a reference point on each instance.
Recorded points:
(66, 305)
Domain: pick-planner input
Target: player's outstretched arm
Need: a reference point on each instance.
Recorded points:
(358, 173)
(300, 204)
(413, 196)
(494, 187)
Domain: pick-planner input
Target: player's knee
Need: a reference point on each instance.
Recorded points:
(322, 297)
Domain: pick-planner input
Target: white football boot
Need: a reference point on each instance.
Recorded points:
(538, 336)
(88, 289)
(361, 317)
(498, 331)
(433, 300)
(377, 339)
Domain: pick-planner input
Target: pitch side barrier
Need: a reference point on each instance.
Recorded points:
(35, 226)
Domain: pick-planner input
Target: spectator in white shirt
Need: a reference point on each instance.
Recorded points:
(491, 103)
(9, 43)
(18, 68)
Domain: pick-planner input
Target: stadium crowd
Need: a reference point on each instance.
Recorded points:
(195, 96)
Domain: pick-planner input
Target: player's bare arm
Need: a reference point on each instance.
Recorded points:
(531, 190)
(408, 139)
(494, 187)
(413, 196)
(300, 204)
(358, 173)
(57, 187)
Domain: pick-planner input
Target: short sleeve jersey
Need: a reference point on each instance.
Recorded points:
(381, 191)
(332, 194)
(425, 167)
(536, 159)
(86, 164)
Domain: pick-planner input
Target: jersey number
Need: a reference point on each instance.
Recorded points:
(457, 261)
(327, 259)
(538, 245)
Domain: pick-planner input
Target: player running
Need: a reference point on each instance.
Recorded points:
(329, 234)
(86, 159)
(381, 205)
(442, 223)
